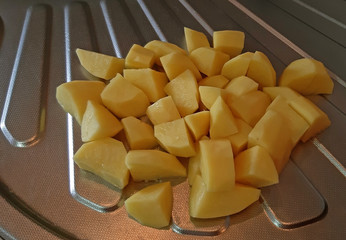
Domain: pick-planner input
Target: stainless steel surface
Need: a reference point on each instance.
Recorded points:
(45, 196)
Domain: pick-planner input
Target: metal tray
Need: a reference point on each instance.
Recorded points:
(43, 195)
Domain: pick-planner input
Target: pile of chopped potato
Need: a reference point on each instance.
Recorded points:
(217, 106)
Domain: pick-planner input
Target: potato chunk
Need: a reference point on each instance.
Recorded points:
(239, 86)
(153, 165)
(124, 99)
(98, 122)
(73, 96)
(139, 57)
(239, 139)
(195, 39)
(163, 110)
(206, 204)
(285, 92)
(229, 41)
(218, 81)
(161, 48)
(152, 206)
(237, 66)
(100, 65)
(208, 95)
(106, 158)
(198, 123)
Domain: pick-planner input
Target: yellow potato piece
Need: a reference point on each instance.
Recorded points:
(174, 136)
(163, 110)
(198, 123)
(195, 39)
(217, 164)
(237, 66)
(205, 204)
(208, 60)
(161, 49)
(218, 81)
(239, 86)
(139, 57)
(184, 91)
(139, 135)
(100, 65)
(151, 82)
(239, 139)
(98, 122)
(153, 165)
(255, 167)
(208, 95)
(285, 92)
(152, 206)
(73, 96)
(106, 158)
(124, 99)
(229, 41)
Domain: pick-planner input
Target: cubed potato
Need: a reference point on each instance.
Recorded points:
(239, 139)
(194, 163)
(239, 86)
(98, 122)
(163, 110)
(161, 48)
(217, 164)
(271, 133)
(250, 106)
(296, 124)
(209, 60)
(222, 121)
(124, 99)
(100, 65)
(312, 114)
(229, 41)
(285, 92)
(106, 158)
(139, 135)
(152, 206)
(195, 39)
(139, 57)
(261, 70)
(218, 81)
(206, 204)
(184, 91)
(255, 167)
(175, 64)
(151, 82)
(237, 66)
(153, 164)
(198, 123)
(307, 76)
(175, 138)
(208, 95)
(73, 96)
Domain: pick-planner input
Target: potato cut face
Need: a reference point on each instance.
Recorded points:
(217, 164)
(195, 39)
(153, 165)
(237, 66)
(152, 206)
(218, 81)
(73, 96)
(229, 41)
(239, 86)
(239, 140)
(98, 122)
(198, 123)
(100, 65)
(206, 204)
(139, 57)
(163, 110)
(255, 167)
(208, 95)
(285, 92)
(139, 134)
(124, 99)
(174, 136)
(106, 158)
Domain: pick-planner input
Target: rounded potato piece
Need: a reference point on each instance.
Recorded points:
(195, 39)
(229, 41)
(163, 110)
(139, 57)
(237, 66)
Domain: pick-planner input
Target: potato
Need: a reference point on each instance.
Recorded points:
(139, 135)
(151, 82)
(229, 41)
(98, 122)
(285, 92)
(100, 65)
(153, 165)
(124, 99)
(209, 61)
(161, 48)
(106, 158)
(174, 137)
(261, 70)
(237, 66)
(307, 76)
(217, 164)
(239, 86)
(175, 64)
(255, 167)
(152, 206)
(139, 57)
(163, 110)
(222, 122)
(208, 95)
(239, 139)
(73, 96)
(206, 204)
(218, 81)
(195, 39)
(198, 124)
(184, 91)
